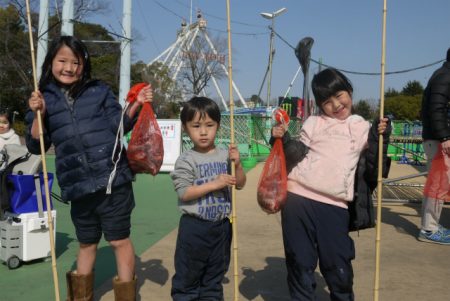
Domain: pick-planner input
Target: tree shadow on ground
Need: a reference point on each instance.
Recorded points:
(152, 269)
(62, 241)
(270, 283)
(401, 222)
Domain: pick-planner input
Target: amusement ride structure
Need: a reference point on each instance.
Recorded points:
(177, 55)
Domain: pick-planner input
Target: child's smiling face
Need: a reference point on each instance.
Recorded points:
(338, 106)
(66, 67)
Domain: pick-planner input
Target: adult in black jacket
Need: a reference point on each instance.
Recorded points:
(436, 132)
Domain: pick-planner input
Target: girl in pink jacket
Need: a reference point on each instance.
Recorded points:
(315, 219)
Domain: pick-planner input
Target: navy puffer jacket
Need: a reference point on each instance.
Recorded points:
(83, 137)
(436, 105)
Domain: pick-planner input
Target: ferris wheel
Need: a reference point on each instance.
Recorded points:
(176, 56)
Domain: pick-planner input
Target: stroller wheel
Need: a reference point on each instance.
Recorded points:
(13, 262)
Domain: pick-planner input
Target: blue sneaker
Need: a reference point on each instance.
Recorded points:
(445, 231)
(437, 237)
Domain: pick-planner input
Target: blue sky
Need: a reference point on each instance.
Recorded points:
(347, 35)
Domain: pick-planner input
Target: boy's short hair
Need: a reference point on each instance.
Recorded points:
(327, 83)
(202, 105)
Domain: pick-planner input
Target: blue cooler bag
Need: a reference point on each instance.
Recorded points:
(22, 193)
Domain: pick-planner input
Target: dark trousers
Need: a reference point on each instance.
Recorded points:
(314, 231)
(202, 257)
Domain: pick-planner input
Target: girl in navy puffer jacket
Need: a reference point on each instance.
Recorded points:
(80, 118)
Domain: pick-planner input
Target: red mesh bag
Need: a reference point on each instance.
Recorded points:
(145, 150)
(437, 185)
(272, 186)
(281, 116)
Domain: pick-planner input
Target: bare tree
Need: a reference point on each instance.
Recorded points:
(201, 63)
(86, 8)
(82, 8)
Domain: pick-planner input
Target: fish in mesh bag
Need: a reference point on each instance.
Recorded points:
(272, 186)
(145, 150)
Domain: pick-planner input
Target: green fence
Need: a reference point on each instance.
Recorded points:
(406, 142)
(252, 134)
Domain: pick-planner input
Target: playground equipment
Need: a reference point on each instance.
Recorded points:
(178, 54)
(406, 143)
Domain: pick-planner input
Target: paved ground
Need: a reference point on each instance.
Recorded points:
(409, 270)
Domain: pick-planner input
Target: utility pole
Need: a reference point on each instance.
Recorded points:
(125, 49)
(271, 16)
(67, 18)
(42, 36)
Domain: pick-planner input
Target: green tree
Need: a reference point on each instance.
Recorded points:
(391, 92)
(256, 100)
(201, 64)
(166, 94)
(363, 109)
(412, 88)
(15, 61)
(403, 107)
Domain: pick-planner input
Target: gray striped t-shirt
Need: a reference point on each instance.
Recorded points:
(194, 168)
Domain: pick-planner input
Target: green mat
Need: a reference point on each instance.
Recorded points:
(155, 215)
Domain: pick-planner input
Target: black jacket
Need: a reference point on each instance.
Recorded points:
(436, 105)
(84, 137)
(294, 150)
(361, 210)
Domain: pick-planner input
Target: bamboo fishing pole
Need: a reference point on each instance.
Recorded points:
(380, 162)
(233, 167)
(44, 165)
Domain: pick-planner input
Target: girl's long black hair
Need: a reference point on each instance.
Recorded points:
(80, 51)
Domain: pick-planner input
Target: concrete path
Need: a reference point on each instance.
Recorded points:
(409, 270)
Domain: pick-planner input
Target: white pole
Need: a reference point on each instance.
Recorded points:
(177, 57)
(67, 18)
(125, 49)
(292, 81)
(42, 36)
(271, 53)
